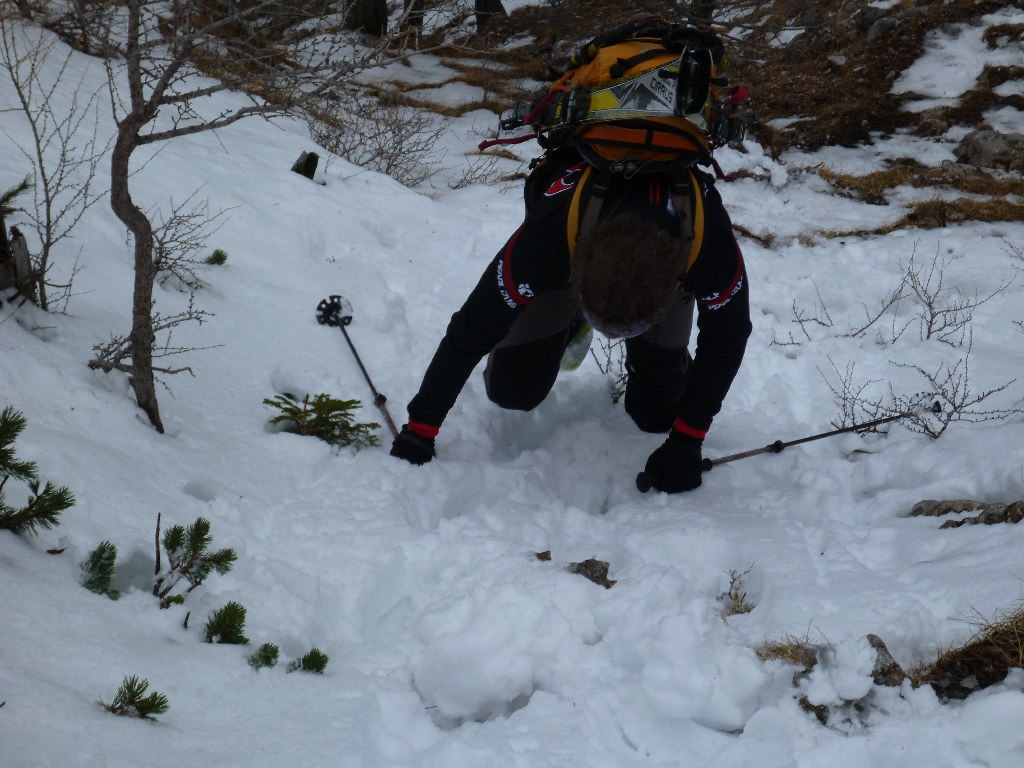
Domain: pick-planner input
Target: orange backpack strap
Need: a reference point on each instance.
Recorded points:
(698, 221)
(572, 226)
(691, 214)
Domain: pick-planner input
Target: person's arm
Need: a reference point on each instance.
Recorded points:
(472, 333)
(723, 327)
(719, 282)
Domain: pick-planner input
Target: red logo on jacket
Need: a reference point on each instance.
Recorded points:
(566, 182)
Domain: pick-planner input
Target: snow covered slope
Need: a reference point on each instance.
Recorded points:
(451, 644)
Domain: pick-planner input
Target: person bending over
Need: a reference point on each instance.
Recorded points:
(649, 251)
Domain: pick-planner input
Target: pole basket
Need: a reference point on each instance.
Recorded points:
(334, 311)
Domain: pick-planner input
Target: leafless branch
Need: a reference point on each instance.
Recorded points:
(849, 397)
(179, 238)
(949, 385)
(397, 140)
(114, 354)
(482, 170)
(64, 150)
(613, 362)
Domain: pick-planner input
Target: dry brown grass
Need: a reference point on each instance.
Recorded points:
(909, 172)
(995, 649)
(798, 651)
(1010, 31)
(941, 213)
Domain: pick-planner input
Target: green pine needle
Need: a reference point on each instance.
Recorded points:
(174, 540)
(43, 509)
(227, 624)
(217, 258)
(197, 538)
(7, 198)
(266, 656)
(315, 661)
(170, 600)
(99, 569)
(129, 700)
(324, 417)
(12, 423)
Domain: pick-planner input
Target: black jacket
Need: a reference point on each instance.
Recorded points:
(536, 260)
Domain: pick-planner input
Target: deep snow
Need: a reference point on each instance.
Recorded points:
(450, 643)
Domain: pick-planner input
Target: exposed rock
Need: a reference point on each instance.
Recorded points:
(595, 570)
(992, 514)
(306, 164)
(933, 508)
(814, 18)
(910, 13)
(836, 61)
(933, 122)
(886, 671)
(989, 149)
(545, 555)
(867, 16)
(881, 28)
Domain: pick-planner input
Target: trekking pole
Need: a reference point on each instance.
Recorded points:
(644, 484)
(336, 311)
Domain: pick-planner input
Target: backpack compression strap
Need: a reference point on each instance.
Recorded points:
(691, 226)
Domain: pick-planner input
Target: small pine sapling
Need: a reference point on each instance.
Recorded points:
(227, 624)
(315, 661)
(188, 557)
(45, 504)
(98, 570)
(325, 417)
(217, 258)
(266, 656)
(130, 701)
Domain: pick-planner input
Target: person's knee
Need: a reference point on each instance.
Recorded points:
(515, 398)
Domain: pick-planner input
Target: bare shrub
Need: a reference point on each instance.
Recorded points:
(949, 385)
(481, 170)
(613, 362)
(83, 24)
(734, 600)
(114, 354)
(386, 137)
(64, 150)
(942, 312)
(178, 240)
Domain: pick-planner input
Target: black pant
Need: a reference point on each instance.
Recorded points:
(523, 367)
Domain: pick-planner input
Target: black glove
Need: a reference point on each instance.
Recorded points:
(676, 465)
(416, 449)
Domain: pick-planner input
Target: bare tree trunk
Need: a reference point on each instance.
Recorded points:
(413, 10)
(487, 12)
(369, 16)
(142, 335)
(5, 246)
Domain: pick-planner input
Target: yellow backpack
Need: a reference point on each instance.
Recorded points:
(646, 96)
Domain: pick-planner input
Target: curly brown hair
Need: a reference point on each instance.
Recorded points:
(626, 273)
